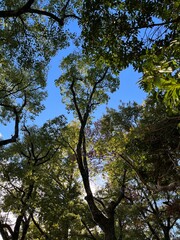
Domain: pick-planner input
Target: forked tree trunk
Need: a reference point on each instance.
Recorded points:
(104, 219)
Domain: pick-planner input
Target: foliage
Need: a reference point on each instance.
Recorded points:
(38, 180)
(143, 34)
(146, 141)
(134, 151)
(161, 74)
(20, 174)
(119, 32)
(82, 74)
(31, 33)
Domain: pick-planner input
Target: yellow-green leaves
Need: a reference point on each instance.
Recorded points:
(161, 74)
(84, 84)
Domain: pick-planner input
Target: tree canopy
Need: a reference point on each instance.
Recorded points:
(131, 153)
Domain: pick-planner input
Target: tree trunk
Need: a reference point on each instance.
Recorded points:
(166, 234)
(104, 220)
(110, 234)
(106, 223)
(3, 232)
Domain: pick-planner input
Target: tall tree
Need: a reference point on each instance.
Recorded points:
(114, 34)
(85, 85)
(20, 174)
(145, 139)
(40, 190)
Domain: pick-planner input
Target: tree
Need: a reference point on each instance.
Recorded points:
(143, 34)
(120, 32)
(41, 191)
(145, 139)
(109, 30)
(31, 33)
(21, 92)
(20, 178)
(85, 86)
(114, 35)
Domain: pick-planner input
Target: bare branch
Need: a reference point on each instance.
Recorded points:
(87, 228)
(39, 227)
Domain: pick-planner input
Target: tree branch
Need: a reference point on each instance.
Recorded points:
(155, 188)
(86, 115)
(176, 20)
(48, 14)
(27, 9)
(75, 101)
(39, 228)
(153, 230)
(113, 204)
(25, 227)
(87, 228)
(16, 128)
(5, 225)
(18, 12)
(100, 201)
(16, 125)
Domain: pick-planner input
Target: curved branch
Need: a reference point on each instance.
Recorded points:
(8, 227)
(18, 12)
(27, 9)
(48, 14)
(97, 214)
